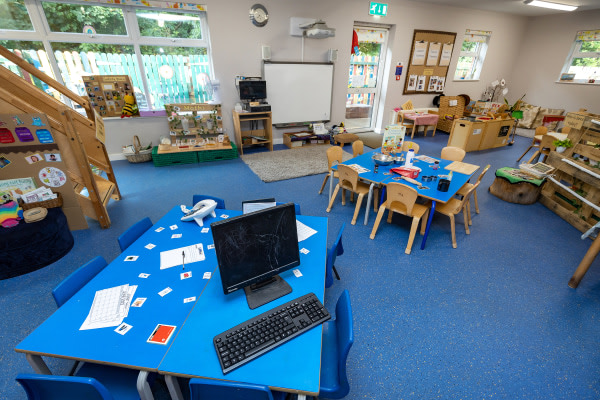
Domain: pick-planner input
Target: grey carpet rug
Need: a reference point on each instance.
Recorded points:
(287, 164)
(371, 139)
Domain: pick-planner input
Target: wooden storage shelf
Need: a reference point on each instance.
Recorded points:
(312, 140)
(249, 137)
(473, 135)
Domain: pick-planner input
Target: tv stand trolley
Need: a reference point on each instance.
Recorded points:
(252, 135)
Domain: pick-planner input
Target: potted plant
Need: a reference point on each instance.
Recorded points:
(515, 109)
(562, 145)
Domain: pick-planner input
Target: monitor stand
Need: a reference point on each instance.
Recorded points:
(264, 292)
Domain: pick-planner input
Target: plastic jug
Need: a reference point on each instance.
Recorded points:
(410, 155)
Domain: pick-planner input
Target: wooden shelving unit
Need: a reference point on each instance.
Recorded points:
(245, 135)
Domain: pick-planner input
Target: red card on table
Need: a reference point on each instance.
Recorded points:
(161, 334)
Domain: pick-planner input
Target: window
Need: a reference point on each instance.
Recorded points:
(472, 54)
(583, 62)
(166, 52)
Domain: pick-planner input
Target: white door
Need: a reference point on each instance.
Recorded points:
(365, 78)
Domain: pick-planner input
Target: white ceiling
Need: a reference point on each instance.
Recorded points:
(516, 6)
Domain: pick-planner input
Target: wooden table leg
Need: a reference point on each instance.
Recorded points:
(585, 263)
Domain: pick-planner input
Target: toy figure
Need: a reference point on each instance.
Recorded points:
(130, 108)
(10, 212)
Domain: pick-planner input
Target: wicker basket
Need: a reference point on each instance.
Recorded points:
(140, 155)
(53, 203)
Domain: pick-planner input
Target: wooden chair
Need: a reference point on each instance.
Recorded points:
(401, 199)
(467, 186)
(540, 131)
(407, 123)
(453, 153)
(455, 206)
(565, 129)
(334, 155)
(406, 145)
(357, 148)
(348, 180)
(546, 146)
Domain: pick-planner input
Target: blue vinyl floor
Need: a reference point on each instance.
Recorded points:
(492, 319)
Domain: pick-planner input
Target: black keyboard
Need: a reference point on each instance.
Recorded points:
(253, 338)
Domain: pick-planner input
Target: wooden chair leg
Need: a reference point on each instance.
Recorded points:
(378, 220)
(324, 182)
(536, 154)
(452, 230)
(468, 207)
(335, 192)
(475, 201)
(343, 196)
(424, 219)
(375, 199)
(357, 208)
(526, 151)
(411, 236)
(466, 218)
(390, 215)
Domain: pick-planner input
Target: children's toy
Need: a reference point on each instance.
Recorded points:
(200, 210)
(10, 212)
(130, 108)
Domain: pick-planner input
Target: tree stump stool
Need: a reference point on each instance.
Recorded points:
(515, 186)
(343, 138)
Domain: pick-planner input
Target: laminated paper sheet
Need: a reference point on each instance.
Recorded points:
(462, 168)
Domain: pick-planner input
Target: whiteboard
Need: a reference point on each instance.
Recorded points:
(299, 92)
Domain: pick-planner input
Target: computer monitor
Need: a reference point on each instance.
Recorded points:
(253, 90)
(252, 249)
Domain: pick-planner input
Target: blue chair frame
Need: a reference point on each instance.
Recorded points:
(78, 278)
(200, 197)
(338, 337)
(53, 387)
(133, 233)
(337, 249)
(201, 389)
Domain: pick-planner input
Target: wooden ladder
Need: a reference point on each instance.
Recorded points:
(76, 135)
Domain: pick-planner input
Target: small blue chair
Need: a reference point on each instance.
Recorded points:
(78, 278)
(133, 233)
(53, 387)
(201, 389)
(336, 250)
(338, 337)
(200, 197)
(296, 207)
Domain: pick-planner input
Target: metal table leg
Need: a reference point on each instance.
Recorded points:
(330, 185)
(174, 389)
(143, 387)
(369, 197)
(38, 364)
(431, 212)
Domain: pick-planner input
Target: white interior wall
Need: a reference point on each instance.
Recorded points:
(236, 46)
(545, 46)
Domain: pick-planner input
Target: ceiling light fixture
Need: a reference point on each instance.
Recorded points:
(554, 6)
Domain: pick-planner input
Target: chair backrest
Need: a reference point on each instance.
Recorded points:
(334, 153)
(357, 148)
(565, 129)
(337, 249)
(345, 339)
(78, 278)
(466, 197)
(399, 193)
(53, 387)
(296, 207)
(453, 153)
(483, 172)
(408, 105)
(202, 389)
(348, 177)
(133, 233)
(407, 145)
(541, 130)
(547, 145)
(200, 197)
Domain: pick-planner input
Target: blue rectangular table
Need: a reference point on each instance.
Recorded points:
(59, 336)
(384, 176)
(292, 367)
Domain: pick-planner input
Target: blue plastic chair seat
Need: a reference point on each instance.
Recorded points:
(121, 382)
(199, 197)
(329, 360)
(133, 233)
(201, 389)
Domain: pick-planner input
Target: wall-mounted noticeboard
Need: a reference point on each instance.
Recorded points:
(430, 56)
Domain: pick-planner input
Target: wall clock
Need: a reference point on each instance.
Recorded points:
(259, 15)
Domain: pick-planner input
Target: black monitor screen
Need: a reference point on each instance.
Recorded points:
(254, 247)
(253, 90)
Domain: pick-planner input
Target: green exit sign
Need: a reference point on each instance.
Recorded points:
(378, 9)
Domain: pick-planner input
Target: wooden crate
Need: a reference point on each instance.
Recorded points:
(578, 169)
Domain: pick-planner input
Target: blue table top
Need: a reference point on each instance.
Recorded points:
(293, 366)
(59, 335)
(384, 176)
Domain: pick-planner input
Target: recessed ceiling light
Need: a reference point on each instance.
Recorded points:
(554, 6)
